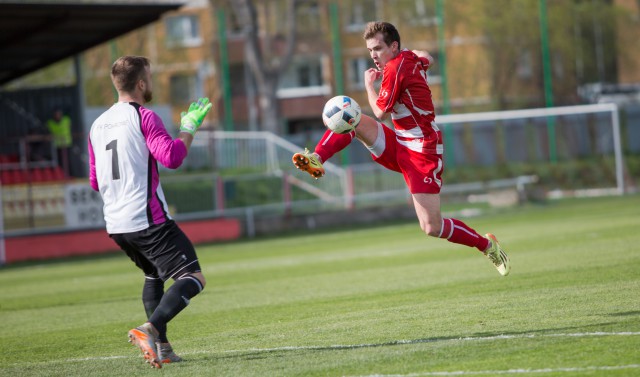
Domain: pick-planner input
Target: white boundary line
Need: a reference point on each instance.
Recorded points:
(435, 340)
(394, 343)
(510, 371)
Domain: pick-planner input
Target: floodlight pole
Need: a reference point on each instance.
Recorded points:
(547, 78)
(442, 57)
(444, 84)
(225, 75)
(113, 49)
(336, 45)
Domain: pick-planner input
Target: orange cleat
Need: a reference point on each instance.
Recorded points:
(308, 162)
(145, 338)
(166, 354)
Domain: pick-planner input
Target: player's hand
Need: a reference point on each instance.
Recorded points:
(371, 75)
(424, 54)
(192, 119)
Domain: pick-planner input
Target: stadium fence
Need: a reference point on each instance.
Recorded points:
(575, 150)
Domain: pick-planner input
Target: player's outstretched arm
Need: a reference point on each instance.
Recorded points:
(424, 54)
(191, 120)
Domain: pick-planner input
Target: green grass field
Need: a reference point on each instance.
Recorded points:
(386, 300)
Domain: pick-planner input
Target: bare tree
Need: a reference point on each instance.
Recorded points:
(268, 56)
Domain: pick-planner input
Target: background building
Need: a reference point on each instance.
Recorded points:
(494, 60)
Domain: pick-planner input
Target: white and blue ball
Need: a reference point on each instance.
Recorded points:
(341, 114)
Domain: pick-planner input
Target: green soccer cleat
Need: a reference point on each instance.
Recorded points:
(308, 162)
(497, 256)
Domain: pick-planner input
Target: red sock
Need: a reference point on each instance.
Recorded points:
(332, 143)
(454, 230)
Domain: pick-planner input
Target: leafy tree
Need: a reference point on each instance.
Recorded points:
(581, 40)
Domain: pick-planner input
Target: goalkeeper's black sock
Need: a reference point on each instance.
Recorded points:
(174, 300)
(152, 292)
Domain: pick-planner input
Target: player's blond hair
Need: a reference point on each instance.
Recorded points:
(127, 71)
(389, 32)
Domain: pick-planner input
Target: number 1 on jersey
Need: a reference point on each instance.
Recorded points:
(115, 171)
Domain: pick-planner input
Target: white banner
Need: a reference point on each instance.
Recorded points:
(83, 206)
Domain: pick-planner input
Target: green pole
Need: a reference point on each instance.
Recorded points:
(337, 61)
(224, 74)
(113, 49)
(442, 57)
(444, 84)
(547, 78)
(336, 47)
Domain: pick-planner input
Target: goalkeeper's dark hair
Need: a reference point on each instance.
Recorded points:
(127, 71)
(389, 32)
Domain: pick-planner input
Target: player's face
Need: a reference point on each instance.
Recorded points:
(148, 86)
(380, 52)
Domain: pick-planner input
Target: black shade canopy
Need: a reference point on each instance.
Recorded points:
(34, 35)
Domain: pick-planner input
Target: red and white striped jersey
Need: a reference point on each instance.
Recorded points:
(405, 93)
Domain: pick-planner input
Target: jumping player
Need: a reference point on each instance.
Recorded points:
(126, 143)
(414, 148)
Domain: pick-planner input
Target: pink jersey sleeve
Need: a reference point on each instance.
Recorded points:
(93, 180)
(169, 152)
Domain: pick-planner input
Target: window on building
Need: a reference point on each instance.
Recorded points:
(361, 12)
(308, 17)
(234, 25)
(417, 12)
(237, 76)
(184, 87)
(183, 31)
(304, 76)
(355, 72)
(524, 69)
(558, 66)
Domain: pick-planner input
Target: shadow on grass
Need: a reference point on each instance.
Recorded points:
(257, 353)
(625, 314)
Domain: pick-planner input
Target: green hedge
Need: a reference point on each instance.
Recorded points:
(199, 195)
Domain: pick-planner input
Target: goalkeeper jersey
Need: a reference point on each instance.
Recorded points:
(125, 145)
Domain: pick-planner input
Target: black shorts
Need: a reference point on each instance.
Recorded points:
(160, 251)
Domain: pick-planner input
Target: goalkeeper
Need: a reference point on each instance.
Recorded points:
(125, 145)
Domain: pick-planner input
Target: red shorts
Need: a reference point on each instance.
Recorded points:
(422, 171)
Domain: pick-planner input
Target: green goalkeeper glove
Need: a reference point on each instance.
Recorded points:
(192, 119)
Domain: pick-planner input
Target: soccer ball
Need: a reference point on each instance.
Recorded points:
(341, 114)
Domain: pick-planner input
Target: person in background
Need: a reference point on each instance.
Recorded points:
(60, 128)
(125, 145)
